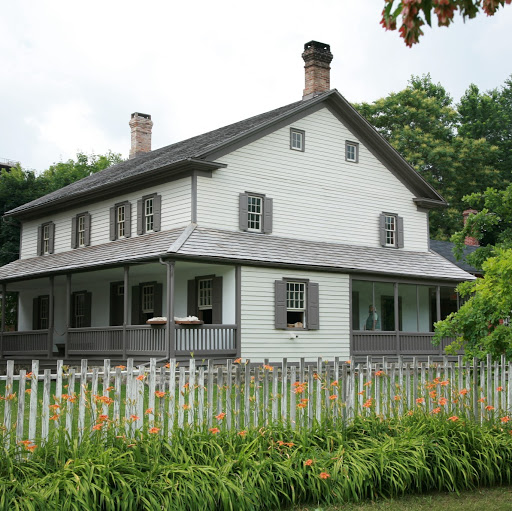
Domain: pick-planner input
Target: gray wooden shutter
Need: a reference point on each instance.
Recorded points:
(40, 240)
(140, 216)
(313, 312)
(35, 313)
(158, 295)
(382, 229)
(87, 308)
(113, 224)
(128, 220)
(51, 241)
(73, 233)
(191, 298)
(267, 218)
(217, 300)
(87, 227)
(243, 212)
(280, 304)
(136, 310)
(400, 229)
(157, 213)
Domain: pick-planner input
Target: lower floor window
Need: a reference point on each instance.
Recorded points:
(387, 306)
(296, 304)
(44, 312)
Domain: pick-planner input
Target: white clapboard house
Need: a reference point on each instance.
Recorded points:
(279, 233)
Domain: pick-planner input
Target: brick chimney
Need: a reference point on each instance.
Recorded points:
(317, 57)
(141, 125)
(470, 240)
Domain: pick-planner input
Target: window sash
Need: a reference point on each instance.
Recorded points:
(148, 214)
(46, 239)
(120, 219)
(390, 229)
(148, 299)
(295, 296)
(297, 140)
(351, 152)
(204, 294)
(79, 310)
(254, 213)
(44, 312)
(81, 231)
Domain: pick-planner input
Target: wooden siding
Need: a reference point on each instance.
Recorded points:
(261, 340)
(176, 207)
(317, 194)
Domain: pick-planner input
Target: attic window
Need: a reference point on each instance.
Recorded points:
(352, 151)
(297, 139)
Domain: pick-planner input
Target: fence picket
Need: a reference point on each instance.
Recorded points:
(275, 392)
(247, 394)
(70, 402)
(200, 397)
(293, 379)
(172, 396)
(181, 397)
(191, 391)
(20, 424)
(229, 377)
(82, 399)
(9, 394)
(209, 391)
(32, 421)
(45, 412)
(238, 392)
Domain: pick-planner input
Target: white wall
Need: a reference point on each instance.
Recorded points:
(176, 212)
(261, 340)
(317, 194)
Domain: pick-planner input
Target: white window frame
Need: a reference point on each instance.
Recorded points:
(204, 294)
(149, 214)
(120, 222)
(46, 239)
(257, 217)
(80, 231)
(353, 147)
(148, 298)
(300, 299)
(297, 136)
(390, 229)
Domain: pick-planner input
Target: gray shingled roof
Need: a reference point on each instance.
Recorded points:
(244, 247)
(257, 248)
(150, 246)
(194, 147)
(445, 249)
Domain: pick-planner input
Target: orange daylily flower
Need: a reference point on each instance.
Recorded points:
(442, 401)
(323, 475)
(30, 447)
(186, 407)
(54, 407)
(97, 426)
(140, 377)
(299, 390)
(445, 383)
(28, 391)
(134, 417)
(103, 417)
(121, 367)
(110, 388)
(237, 361)
(368, 383)
(148, 411)
(361, 393)
(368, 403)
(280, 443)
(159, 393)
(301, 405)
(334, 383)
(481, 400)
(54, 417)
(505, 419)
(453, 418)
(379, 373)
(420, 400)
(242, 433)
(167, 366)
(499, 389)
(289, 444)
(268, 368)
(154, 430)
(304, 400)
(186, 386)
(436, 410)
(308, 463)
(214, 431)
(29, 375)
(463, 392)
(397, 398)
(333, 396)
(489, 408)
(410, 412)
(433, 394)
(220, 416)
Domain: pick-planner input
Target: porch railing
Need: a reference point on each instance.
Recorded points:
(393, 343)
(206, 340)
(18, 343)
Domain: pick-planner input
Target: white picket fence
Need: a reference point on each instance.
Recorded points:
(239, 395)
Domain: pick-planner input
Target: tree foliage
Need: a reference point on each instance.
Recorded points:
(481, 324)
(414, 14)
(422, 123)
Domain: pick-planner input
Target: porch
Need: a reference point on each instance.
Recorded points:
(103, 313)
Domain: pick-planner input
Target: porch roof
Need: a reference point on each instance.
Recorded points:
(240, 247)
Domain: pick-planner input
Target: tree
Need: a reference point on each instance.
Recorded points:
(415, 13)
(481, 325)
(421, 123)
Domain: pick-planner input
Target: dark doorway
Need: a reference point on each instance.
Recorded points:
(116, 303)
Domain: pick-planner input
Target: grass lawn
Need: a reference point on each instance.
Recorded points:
(488, 499)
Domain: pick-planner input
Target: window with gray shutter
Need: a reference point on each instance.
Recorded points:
(149, 211)
(280, 303)
(296, 304)
(391, 230)
(204, 299)
(121, 221)
(41, 312)
(81, 303)
(81, 230)
(46, 238)
(255, 212)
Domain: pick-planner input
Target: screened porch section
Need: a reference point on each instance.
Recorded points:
(124, 312)
(394, 318)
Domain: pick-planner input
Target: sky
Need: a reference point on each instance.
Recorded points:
(73, 72)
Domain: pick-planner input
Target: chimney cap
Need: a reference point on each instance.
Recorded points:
(317, 46)
(139, 114)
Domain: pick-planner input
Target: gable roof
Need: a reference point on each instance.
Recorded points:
(215, 245)
(445, 249)
(198, 153)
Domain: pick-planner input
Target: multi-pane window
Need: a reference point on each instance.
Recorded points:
(120, 221)
(255, 213)
(148, 214)
(148, 299)
(81, 231)
(204, 294)
(351, 151)
(44, 312)
(296, 303)
(297, 140)
(79, 310)
(390, 229)
(46, 239)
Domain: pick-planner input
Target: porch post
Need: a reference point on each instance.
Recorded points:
(170, 330)
(4, 293)
(438, 312)
(125, 309)
(51, 322)
(68, 312)
(238, 309)
(397, 318)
